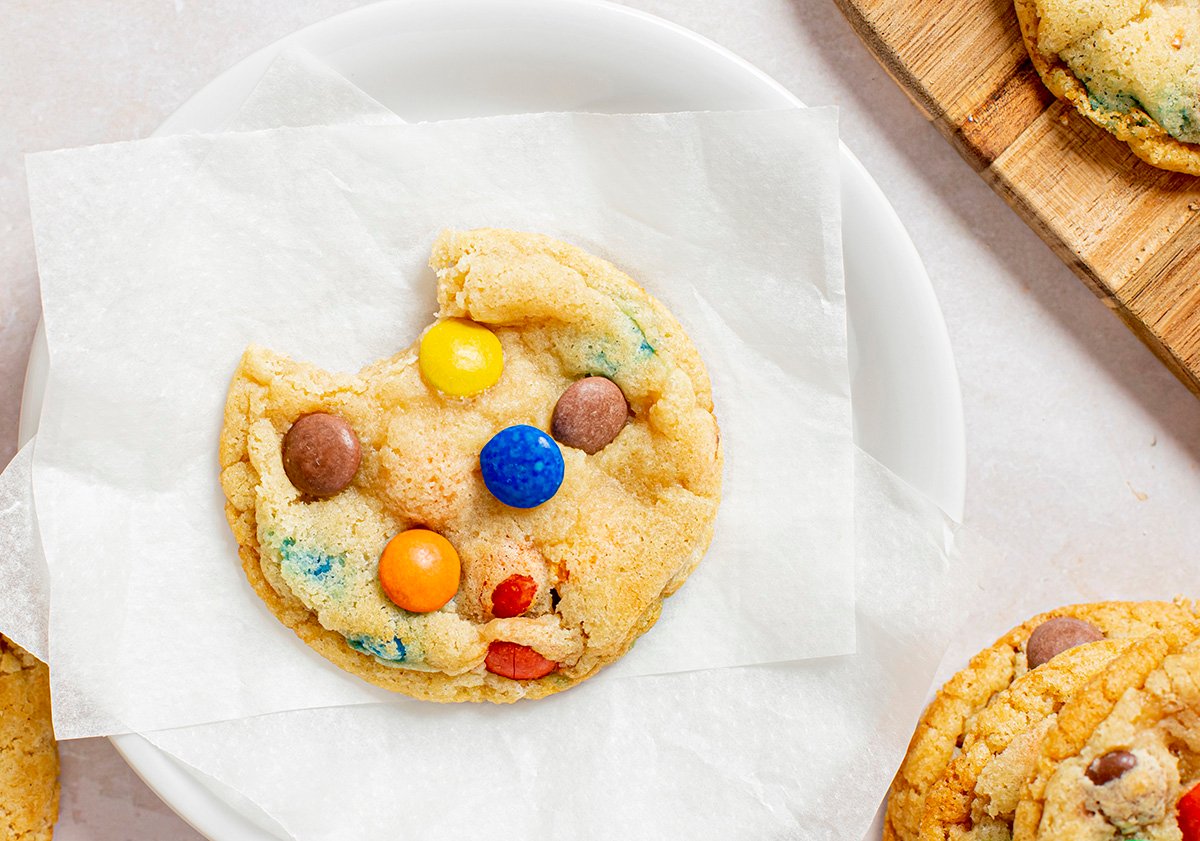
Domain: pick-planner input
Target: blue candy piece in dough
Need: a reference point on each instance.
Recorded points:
(522, 466)
(393, 651)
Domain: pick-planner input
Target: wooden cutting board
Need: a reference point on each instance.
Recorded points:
(1132, 232)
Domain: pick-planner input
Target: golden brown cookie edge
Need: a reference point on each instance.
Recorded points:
(958, 700)
(33, 795)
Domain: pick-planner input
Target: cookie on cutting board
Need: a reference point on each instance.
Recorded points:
(1131, 67)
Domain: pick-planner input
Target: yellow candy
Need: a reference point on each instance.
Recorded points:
(459, 357)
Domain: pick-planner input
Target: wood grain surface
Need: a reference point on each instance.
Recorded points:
(1130, 231)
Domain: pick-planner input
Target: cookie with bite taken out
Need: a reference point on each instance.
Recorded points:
(498, 511)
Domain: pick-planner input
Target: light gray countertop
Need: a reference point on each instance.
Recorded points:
(1081, 448)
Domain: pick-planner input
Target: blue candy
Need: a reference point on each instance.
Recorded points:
(393, 650)
(522, 466)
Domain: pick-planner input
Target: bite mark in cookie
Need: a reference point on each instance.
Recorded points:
(564, 552)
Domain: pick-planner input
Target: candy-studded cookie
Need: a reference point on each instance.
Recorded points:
(28, 752)
(978, 795)
(940, 735)
(1123, 759)
(1129, 66)
(497, 511)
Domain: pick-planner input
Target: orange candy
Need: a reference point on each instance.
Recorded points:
(419, 570)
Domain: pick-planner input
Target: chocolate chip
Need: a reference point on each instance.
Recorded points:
(589, 414)
(1114, 764)
(321, 454)
(1056, 636)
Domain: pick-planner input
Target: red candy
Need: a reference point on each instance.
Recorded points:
(518, 662)
(1189, 814)
(513, 596)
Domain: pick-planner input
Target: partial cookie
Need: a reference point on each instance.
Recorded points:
(938, 738)
(977, 796)
(1123, 759)
(498, 511)
(28, 752)
(1132, 67)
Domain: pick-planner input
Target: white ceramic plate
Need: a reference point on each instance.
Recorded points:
(437, 59)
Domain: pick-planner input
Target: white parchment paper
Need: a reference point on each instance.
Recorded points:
(300, 90)
(161, 259)
(24, 579)
(798, 750)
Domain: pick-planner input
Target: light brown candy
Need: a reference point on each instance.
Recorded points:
(590, 414)
(1114, 764)
(321, 454)
(1054, 636)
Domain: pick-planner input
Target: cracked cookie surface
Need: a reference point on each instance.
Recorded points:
(940, 734)
(1122, 756)
(626, 527)
(978, 797)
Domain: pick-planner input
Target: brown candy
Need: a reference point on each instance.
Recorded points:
(321, 454)
(1055, 636)
(589, 414)
(1114, 764)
